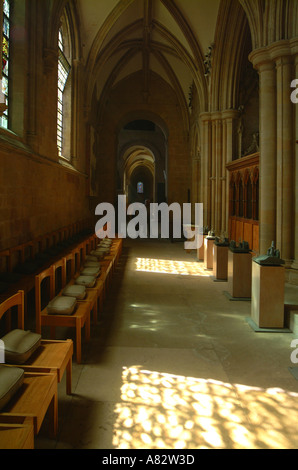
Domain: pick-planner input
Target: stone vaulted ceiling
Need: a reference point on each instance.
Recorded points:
(167, 37)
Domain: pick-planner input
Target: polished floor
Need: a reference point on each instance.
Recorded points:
(173, 364)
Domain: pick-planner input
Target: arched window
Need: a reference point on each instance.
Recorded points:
(64, 94)
(4, 119)
(140, 188)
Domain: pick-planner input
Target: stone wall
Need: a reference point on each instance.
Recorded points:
(37, 197)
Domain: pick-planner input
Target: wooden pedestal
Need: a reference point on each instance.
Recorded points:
(268, 296)
(208, 252)
(220, 262)
(200, 252)
(239, 274)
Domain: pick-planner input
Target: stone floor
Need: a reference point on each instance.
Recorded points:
(173, 364)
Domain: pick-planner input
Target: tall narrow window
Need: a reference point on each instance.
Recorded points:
(6, 60)
(63, 75)
(140, 188)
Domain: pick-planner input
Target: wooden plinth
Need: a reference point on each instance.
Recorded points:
(208, 253)
(239, 274)
(268, 296)
(220, 262)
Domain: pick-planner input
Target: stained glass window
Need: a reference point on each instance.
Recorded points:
(140, 188)
(63, 73)
(6, 59)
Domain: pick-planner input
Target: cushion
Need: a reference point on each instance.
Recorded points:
(98, 256)
(91, 258)
(102, 253)
(62, 305)
(94, 272)
(11, 379)
(87, 281)
(79, 292)
(92, 264)
(20, 345)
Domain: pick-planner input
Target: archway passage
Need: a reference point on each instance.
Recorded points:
(142, 161)
(140, 178)
(141, 185)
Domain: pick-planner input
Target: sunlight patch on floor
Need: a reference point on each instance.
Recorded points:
(164, 411)
(161, 266)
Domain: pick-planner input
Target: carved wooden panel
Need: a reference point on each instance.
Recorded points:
(244, 200)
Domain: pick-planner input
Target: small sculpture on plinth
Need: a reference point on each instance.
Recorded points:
(242, 247)
(222, 241)
(211, 235)
(271, 259)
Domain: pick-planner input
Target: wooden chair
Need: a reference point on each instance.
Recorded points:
(78, 320)
(17, 433)
(50, 355)
(37, 396)
(91, 294)
(78, 259)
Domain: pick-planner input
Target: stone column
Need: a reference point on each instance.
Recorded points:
(223, 179)
(219, 202)
(213, 173)
(3, 106)
(285, 160)
(268, 166)
(295, 228)
(230, 118)
(205, 167)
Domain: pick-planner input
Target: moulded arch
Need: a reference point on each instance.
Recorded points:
(141, 114)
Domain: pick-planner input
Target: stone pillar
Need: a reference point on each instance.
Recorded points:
(205, 168)
(223, 180)
(230, 118)
(219, 202)
(213, 174)
(268, 167)
(285, 160)
(295, 228)
(3, 106)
